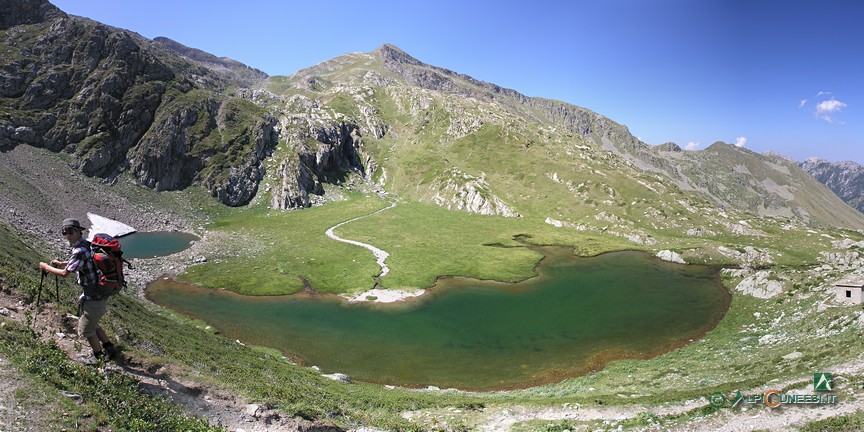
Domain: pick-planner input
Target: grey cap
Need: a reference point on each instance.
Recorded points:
(72, 223)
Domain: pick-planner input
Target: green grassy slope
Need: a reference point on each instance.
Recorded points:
(544, 158)
(52, 375)
(154, 336)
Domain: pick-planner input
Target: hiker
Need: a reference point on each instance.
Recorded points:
(91, 305)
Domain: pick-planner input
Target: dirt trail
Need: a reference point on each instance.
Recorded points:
(380, 255)
(217, 406)
(753, 417)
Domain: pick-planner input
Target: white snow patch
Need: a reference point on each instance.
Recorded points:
(101, 224)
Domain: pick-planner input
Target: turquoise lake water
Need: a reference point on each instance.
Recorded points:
(156, 243)
(577, 315)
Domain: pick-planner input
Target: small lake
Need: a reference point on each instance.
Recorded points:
(155, 244)
(576, 316)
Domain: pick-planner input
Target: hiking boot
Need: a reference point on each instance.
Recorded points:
(110, 350)
(95, 359)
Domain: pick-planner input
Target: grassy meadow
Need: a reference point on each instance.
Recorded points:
(272, 252)
(424, 242)
(745, 350)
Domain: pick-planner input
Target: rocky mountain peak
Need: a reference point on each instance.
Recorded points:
(224, 66)
(392, 53)
(669, 147)
(21, 12)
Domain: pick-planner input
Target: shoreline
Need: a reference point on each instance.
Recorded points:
(596, 362)
(383, 295)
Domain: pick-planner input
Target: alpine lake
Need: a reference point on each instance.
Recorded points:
(155, 243)
(575, 316)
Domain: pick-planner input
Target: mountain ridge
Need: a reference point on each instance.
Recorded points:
(235, 70)
(845, 178)
(172, 117)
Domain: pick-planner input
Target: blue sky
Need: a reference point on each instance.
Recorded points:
(782, 76)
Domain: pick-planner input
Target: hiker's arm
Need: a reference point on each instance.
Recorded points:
(53, 270)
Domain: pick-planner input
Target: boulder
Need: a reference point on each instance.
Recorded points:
(252, 410)
(842, 259)
(793, 355)
(337, 377)
(758, 285)
(554, 222)
(847, 244)
(667, 255)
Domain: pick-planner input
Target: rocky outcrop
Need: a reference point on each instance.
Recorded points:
(667, 255)
(239, 184)
(669, 147)
(22, 12)
(117, 101)
(848, 244)
(298, 181)
(748, 257)
(221, 144)
(318, 154)
(465, 192)
(846, 179)
(166, 158)
(759, 285)
(79, 87)
(849, 259)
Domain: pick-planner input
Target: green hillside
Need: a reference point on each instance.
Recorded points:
(450, 176)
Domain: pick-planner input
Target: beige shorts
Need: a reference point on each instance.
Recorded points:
(92, 312)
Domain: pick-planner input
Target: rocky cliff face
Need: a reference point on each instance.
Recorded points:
(116, 101)
(846, 179)
(24, 12)
(319, 154)
(219, 143)
(163, 111)
(76, 86)
(465, 192)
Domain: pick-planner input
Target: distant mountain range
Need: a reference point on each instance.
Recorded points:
(846, 179)
(173, 116)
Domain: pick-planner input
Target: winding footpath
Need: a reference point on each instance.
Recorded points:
(380, 255)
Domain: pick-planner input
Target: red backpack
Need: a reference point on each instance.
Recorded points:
(108, 257)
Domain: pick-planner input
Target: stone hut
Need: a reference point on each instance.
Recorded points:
(850, 290)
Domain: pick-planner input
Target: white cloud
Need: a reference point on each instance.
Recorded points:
(831, 106)
(692, 145)
(802, 102)
(827, 109)
(822, 93)
(740, 141)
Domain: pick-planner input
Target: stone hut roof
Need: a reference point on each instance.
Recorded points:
(851, 281)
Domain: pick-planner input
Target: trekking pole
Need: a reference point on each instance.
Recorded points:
(41, 281)
(57, 287)
(39, 297)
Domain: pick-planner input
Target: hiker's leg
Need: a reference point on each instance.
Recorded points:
(88, 324)
(95, 344)
(103, 337)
